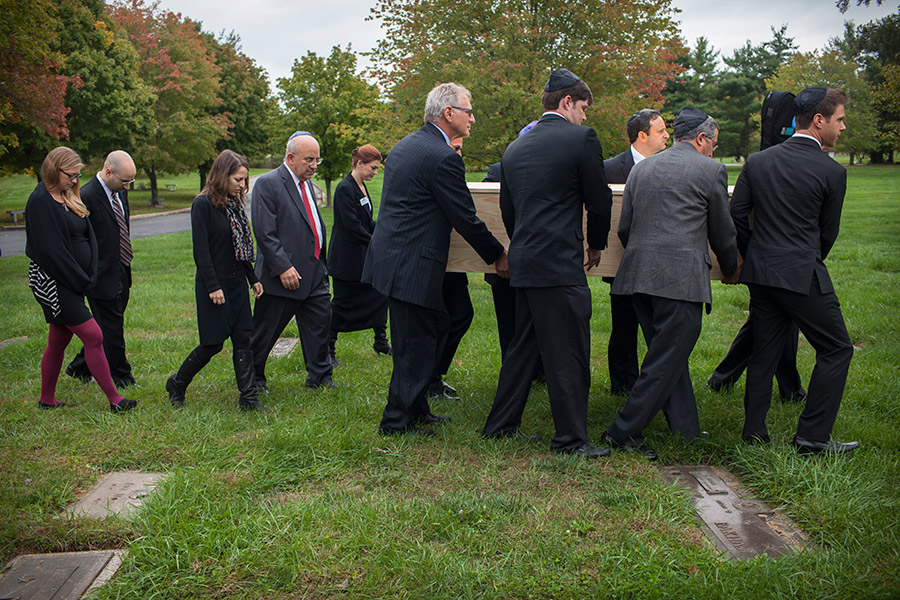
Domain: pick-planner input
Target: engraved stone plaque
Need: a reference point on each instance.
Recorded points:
(284, 346)
(117, 493)
(739, 525)
(63, 576)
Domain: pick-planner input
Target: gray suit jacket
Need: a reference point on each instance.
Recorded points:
(674, 202)
(284, 236)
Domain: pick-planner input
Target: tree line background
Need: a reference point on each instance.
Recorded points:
(128, 75)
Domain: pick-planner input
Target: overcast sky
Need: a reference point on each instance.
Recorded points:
(274, 32)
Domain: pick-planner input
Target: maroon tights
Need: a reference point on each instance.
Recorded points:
(90, 335)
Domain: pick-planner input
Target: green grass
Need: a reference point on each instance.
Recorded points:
(308, 501)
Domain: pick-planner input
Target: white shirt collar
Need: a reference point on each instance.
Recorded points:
(637, 156)
(554, 113)
(446, 139)
(809, 137)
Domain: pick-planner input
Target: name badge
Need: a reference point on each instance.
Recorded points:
(363, 201)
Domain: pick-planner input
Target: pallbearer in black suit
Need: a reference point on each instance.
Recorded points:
(223, 253)
(548, 178)
(355, 305)
(647, 133)
(291, 263)
(106, 197)
(675, 207)
(423, 198)
(795, 192)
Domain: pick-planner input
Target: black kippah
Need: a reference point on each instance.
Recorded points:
(560, 79)
(688, 119)
(808, 99)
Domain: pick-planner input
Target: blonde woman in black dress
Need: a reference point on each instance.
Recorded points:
(63, 250)
(223, 253)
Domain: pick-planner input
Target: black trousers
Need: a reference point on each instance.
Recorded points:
(458, 305)
(819, 317)
(110, 316)
(271, 315)
(504, 297)
(735, 362)
(553, 327)
(622, 352)
(671, 329)
(415, 335)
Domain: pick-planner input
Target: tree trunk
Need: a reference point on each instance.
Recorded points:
(851, 159)
(327, 192)
(154, 190)
(204, 172)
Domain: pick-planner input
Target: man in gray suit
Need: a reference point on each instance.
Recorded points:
(674, 202)
(291, 262)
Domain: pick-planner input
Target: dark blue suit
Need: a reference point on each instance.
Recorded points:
(424, 196)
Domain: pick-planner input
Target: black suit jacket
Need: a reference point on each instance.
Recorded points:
(547, 180)
(351, 232)
(110, 280)
(284, 236)
(619, 166)
(796, 193)
(424, 196)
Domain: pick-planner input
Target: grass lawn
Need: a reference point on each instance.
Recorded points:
(308, 501)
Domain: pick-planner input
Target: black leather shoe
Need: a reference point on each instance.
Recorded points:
(756, 440)
(382, 347)
(585, 451)
(619, 391)
(645, 451)
(443, 391)
(43, 406)
(798, 396)
(515, 434)
(718, 387)
(261, 388)
(805, 446)
(123, 405)
(79, 375)
(413, 430)
(325, 383)
(124, 382)
(432, 419)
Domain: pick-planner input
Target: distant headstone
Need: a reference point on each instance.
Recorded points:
(284, 346)
(63, 576)
(118, 493)
(12, 341)
(738, 524)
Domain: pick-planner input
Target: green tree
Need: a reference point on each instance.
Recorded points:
(830, 69)
(504, 50)
(178, 67)
(696, 84)
(246, 100)
(328, 98)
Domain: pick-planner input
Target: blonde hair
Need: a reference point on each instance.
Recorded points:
(58, 160)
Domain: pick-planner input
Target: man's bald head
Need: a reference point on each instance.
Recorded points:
(118, 170)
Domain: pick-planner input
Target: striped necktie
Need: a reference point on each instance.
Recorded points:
(312, 220)
(125, 253)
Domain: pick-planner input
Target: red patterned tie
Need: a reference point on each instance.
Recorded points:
(312, 220)
(125, 253)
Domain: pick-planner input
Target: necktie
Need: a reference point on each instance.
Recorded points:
(125, 253)
(312, 220)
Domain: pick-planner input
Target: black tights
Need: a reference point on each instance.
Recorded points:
(240, 340)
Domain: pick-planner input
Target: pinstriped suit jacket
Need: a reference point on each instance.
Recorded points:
(424, 195)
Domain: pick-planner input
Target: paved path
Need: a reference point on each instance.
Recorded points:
(12, 241)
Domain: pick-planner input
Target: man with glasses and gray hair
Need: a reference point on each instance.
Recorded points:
(424, 196)
(673, 203)
(106, 197)
(290, 263)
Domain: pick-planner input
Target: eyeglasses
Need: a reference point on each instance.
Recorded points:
(468, 111)
(713, 141)
(310, 160)
(71, 176)
(125, 182)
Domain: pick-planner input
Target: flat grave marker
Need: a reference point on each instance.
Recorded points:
(284, 346)
(119, 493)
(740, 525)
(62, 576)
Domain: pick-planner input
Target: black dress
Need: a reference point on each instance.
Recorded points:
(218, 269)
(63, 251)
(354, 306)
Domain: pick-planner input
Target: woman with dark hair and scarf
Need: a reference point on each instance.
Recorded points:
(223, 253)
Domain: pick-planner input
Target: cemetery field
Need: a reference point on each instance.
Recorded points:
(308, 501)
